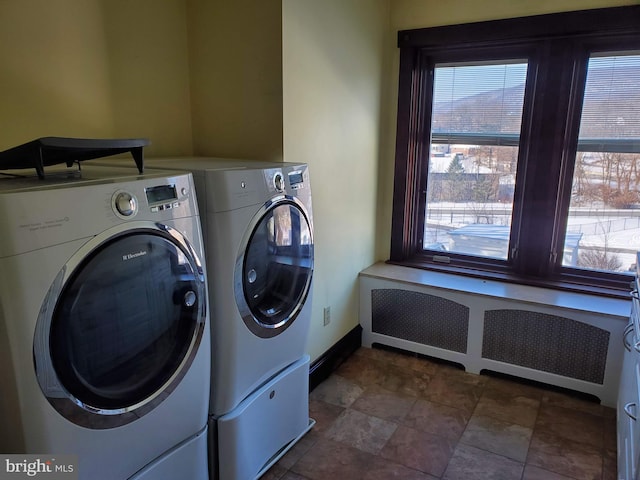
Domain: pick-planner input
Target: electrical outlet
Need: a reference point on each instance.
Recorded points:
(327, 316)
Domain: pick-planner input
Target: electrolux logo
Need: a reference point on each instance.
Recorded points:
(129, 256)
(59, 467)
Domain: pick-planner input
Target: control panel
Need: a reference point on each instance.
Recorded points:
(159, 198)
(296, 179)
(162, 197)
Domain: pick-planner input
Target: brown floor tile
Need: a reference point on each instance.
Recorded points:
(405, 381)
(448, 422)
(384, 404)
(508, 405)
(506, 439)
(276, 472)
(564, 456)
(572, 402)
(610, 465)
(610, 433)
(453, 392)
(415, 363)
(363, 370)
(373, 353)
(330, 460)
(532, 472)
(386, 415)
(361, 431)
(419, 450)
(470, 463)
(292, 476)
(336, 390)
(382, 469)
(515, 387)
(571, 424)
(380, 354)
(459, 375)
(323, 413)
(299, 449)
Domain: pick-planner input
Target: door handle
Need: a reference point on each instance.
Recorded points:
(626, 333)
(627, 410)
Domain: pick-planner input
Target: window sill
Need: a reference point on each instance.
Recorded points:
(496, 285)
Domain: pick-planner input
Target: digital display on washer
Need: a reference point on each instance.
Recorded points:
(295, 178)
(161, 193)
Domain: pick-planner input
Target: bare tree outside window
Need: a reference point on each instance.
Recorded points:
(471, 184)
(605, 202)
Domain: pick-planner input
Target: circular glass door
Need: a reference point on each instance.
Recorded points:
(275, 267)
(126, 323)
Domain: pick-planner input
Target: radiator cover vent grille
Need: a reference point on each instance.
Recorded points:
(421, 318)
(547, 343)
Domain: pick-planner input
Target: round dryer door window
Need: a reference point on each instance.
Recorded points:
(125, 327)
(275, 267)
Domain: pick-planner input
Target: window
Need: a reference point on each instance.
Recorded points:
(518, 149)
(603, 219)
(475, 130)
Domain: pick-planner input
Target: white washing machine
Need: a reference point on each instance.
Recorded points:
(258, 232)
(104, 333)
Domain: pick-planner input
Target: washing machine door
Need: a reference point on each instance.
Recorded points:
(274, 267)
(120, 326)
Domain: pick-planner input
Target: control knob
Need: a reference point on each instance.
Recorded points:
(125, 204)
(278, 182)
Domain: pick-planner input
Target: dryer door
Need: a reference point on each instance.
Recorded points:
(275, 266)
(127, 322)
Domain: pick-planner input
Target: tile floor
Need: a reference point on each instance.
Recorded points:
(387, 415)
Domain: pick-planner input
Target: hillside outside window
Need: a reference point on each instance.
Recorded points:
(475, 133)
(605, 191)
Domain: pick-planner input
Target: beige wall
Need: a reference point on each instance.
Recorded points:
(332, 83)
(236, 78)
(53, 70)
(407, 14)
(95, 68)
(299, 80)
(148, 63)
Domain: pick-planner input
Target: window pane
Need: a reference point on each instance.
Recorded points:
(477, 112)
(604, 213)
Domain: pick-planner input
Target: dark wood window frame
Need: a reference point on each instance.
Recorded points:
(557, 48)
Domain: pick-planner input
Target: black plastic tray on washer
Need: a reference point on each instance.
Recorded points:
(47, 151)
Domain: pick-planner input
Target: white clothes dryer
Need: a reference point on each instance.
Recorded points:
(104, 333)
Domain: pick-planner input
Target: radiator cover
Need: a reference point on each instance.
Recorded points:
(548, 343)
(422, 318)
